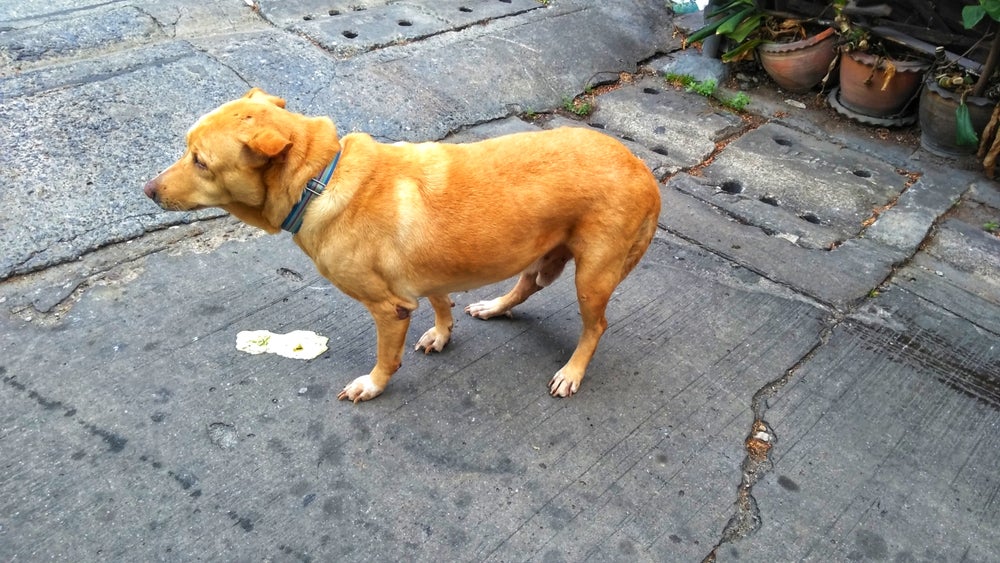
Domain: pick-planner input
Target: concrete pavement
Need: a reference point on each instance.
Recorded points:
(805, 366)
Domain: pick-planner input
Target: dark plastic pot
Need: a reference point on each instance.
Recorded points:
(937, 119)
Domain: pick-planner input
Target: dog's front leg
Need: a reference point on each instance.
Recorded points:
(391, 323)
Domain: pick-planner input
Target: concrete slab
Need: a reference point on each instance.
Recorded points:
(75, 32)
(284, 14)
(958, 274)
(921, 488)
(350, 30)
(51, 212)
(839, 277)
(131, 428)
(169, 85)
(506, 68)
(352, 33)
(464, 456)
(813, 179)
(683, 128)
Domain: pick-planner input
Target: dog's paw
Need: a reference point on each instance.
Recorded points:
(487, 309)
(434, 340)
(361, 389)
(563, 385)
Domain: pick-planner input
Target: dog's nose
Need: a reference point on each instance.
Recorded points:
(150, 189)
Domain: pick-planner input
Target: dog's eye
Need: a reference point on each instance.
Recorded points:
(198, 162)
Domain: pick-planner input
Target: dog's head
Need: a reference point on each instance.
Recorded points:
(250, 157)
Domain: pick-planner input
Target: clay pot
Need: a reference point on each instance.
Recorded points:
(861, 84)
(937, 119)
(799, 65)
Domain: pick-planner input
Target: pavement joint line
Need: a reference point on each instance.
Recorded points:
(91, 78)
(94, 270)
(911, 179)
(749, 124)
(70, 11)
(736, 261)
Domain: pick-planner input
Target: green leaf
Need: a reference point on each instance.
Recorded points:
(703, 32)
(971, 15)
(992, 8)
(727, 8)
(741, 50)
(730, 23)
(965, 133)
(746, 27)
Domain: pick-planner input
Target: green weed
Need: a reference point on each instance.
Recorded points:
(577, 106)
(708, 88)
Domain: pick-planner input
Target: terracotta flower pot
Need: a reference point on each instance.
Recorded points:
(861, 84)
(799, 65)
(937, 119)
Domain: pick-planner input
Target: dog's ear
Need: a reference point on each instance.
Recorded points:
(269, 143)
(259, 94)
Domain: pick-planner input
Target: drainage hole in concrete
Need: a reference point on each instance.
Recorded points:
(404, 23)
(597, 125)
(862, 174)
(307, 17)
(770, 200)
(660, 150)
(334, 12)
(811, 218)
(628, 138)
(505, 1)
(783, 141)
(464, 9)
(350, 34)
(650, 91)
(732, 186)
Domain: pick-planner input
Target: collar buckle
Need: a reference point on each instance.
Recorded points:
(314, 187)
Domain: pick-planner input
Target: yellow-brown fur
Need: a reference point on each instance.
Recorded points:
(404, 221)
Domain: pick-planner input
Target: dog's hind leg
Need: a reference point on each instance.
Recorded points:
(541, 273)
(594, 286)
(438, 335)
(597, 276)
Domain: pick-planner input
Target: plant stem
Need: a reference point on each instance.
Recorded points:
(988, 67)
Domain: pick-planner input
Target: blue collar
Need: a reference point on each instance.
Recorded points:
(313, 188)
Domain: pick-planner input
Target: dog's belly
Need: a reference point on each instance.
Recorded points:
(458, 276)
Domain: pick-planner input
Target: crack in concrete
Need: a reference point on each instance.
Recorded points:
(172, 34)
(746, 518)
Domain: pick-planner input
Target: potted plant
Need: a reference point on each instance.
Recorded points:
(877, 83)
(957, 101)
(951, 115)
(794, 58)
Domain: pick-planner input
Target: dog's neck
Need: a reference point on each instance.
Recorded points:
(314, 187)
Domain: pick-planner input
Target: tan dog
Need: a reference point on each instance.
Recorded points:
(403, 221)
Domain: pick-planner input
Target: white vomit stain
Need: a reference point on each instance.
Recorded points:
(298, 344)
